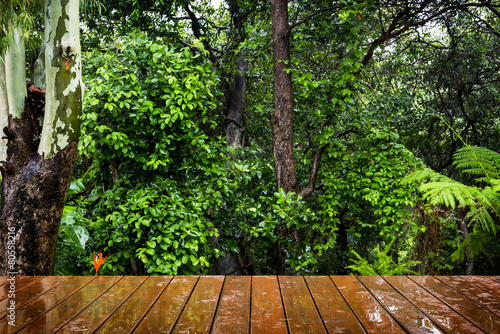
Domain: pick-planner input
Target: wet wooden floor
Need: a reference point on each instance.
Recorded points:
(258, 304)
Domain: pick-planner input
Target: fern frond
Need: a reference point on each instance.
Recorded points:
(488, 204)
(422, 175)
(477, 241)
(449, 193)
(478, 161)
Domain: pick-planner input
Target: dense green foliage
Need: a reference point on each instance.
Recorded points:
(481, 202)
(158, 188)
(153, 175)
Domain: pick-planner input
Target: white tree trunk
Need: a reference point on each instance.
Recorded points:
(12, 80)
(64, 93)
(15, 72)
(4, 110)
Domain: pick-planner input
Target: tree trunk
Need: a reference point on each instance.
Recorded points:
(37, 172)
(462, 226)
(282, 119)
(235, 104)
(63, 75)
(468, 262)
(235, 131)
(33, 196)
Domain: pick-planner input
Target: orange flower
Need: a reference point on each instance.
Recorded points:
(98, 261)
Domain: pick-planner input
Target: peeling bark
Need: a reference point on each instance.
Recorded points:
(15, 72)
(38, 72)
(61, 124)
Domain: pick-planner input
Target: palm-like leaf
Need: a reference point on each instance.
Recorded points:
(478, 161)
(483, 203)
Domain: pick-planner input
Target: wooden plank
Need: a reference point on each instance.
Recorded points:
(200, 309)
(233, 313)
(335, 312)
(57, 317)
(3, 280)
(449, 320)
(483, 298)
(26, 295)
(494, 278)
(167, 309)
(267, 309)
(406, 314)
(370, 313)
(300, 310)
(43, 303)
(481, 317)
(19, 283)
(485, 283)
(130, 313)
(102, 308)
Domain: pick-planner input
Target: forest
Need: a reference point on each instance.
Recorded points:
(250, 137)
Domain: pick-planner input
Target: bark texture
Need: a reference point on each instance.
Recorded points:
(33, 195)
(468, 261)
(236, 94)
(282, 119)
(15, 72)
(235, 131)
(63, 77)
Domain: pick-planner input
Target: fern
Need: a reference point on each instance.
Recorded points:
(423, 175)
(483, 204)
(478, 161)
(477, 242)
(384, 264)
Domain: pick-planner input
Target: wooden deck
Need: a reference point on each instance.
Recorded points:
(258, 304)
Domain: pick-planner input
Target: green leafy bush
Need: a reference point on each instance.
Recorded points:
(155, 177)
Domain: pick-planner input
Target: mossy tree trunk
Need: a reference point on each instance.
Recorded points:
(39, 160)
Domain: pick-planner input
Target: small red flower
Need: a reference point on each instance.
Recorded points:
(98, 261)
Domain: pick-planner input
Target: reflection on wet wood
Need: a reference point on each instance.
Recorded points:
(200, 309)
(93, 316)
(17, 284)
(334, 311)
(484, 283)
(65, 311)
(259, 304)
(233, 312)
(405, 313)
(130, 313)
(495, 278)
(480, 296)
(167, 309)
(481, 317)
(441, 314)
(372, 315)
(44, 303)
(300, 310)
(267, 309)
(26, 295)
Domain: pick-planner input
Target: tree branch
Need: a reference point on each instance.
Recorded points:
(308, 17)
(195, 25)
(391, 32)
(314, 173)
